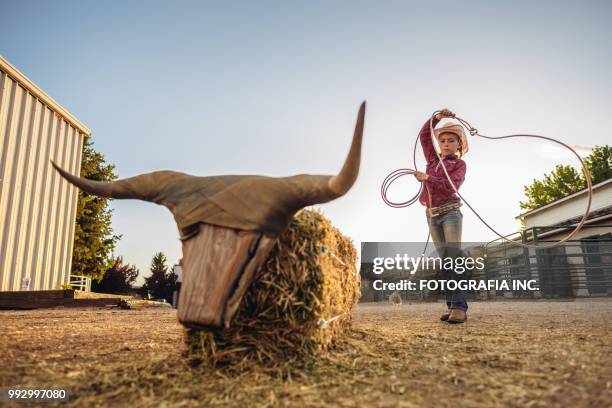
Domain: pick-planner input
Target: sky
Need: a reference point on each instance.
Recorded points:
(273, 88)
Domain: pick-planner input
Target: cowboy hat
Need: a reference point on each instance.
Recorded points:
(455, 129)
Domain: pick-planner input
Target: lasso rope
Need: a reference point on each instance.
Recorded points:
(394, 175)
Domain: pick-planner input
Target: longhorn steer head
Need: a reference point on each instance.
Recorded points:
(228, 224)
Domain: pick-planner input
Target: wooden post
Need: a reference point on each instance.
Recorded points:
(219, 265)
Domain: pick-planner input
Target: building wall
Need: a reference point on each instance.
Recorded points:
(595, 228)
(37, 206)
(602, 197)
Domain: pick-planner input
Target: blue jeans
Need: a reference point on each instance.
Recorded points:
(445, 233)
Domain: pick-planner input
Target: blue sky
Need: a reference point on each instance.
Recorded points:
(273, 88)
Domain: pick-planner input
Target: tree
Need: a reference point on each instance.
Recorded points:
(119, 278)
(94, 241)
(566, 180)
(599, 163)
(162, 282)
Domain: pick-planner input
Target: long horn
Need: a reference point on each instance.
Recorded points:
(341, 183)
(143, 187)
(99, 188)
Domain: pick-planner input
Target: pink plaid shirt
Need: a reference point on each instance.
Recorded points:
(440, 189)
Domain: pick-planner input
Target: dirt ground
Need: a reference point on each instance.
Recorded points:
(509, 353)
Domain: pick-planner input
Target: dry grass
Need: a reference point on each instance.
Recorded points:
(521, 353)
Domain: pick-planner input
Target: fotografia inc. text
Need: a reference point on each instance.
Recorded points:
(466, 285)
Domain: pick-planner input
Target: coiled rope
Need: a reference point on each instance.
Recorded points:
(394, 175)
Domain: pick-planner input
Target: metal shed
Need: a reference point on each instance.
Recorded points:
(37, 207)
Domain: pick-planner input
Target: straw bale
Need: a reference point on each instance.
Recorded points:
(299, 304)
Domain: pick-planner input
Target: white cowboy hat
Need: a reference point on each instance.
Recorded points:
(455, 129)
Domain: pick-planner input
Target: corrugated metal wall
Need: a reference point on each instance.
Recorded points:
(37, 206)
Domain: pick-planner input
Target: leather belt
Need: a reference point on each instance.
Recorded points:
(443, 209)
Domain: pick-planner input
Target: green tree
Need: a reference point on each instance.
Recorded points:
(162, 281)
(566, 180)
(94, 241)
(599, 163)
(118, 279)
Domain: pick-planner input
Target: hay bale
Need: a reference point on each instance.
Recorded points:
(299, 304)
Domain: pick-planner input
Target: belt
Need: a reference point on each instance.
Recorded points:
(443, 209)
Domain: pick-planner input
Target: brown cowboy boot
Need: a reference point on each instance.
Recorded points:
(457, 316)
(444, 317)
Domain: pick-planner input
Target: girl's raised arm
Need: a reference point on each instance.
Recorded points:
(425, 134)
(426, 143)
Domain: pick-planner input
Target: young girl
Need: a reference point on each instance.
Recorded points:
(443, 215)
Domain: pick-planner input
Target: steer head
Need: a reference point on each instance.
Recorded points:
(228, 224)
